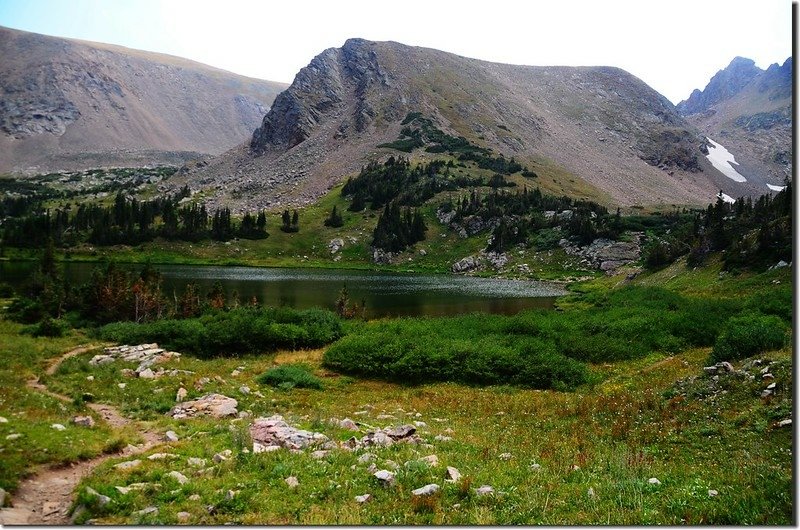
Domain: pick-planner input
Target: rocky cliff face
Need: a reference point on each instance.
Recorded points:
(749, 111)
(724, 85)
(588, 131)
(67, 104)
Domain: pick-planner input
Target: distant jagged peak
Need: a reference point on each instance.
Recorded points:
(724, 85)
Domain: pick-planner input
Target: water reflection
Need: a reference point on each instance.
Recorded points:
(385, 294)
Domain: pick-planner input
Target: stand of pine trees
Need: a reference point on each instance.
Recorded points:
(397, 230)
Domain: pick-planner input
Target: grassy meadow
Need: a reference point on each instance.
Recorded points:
(583, 453)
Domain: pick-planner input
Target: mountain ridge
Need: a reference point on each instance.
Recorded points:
(73, 104)
(631, 145)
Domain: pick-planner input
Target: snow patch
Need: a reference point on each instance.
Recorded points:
(776, 188)
(722, 159)
(725, 197)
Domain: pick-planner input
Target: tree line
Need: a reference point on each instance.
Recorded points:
(129, 221)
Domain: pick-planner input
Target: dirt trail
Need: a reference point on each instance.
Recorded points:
(45, 497)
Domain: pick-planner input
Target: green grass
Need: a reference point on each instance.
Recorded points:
(654, 415)
(31, 413)
(289, 376)
(629, 428)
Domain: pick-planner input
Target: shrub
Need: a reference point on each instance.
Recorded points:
(243, 330)
(749, 335)
(290, 376)
(48, 327)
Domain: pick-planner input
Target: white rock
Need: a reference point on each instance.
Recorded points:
(484, 490)
(146, 511)
(194, 497)
(230, 495)
(161, 456)
(196, 462)
(292, 482)
(442, 438)
(505, 456)
(58, 427)
(420, 424)
(366, 457)
(385, 477)
(453, 474)
(259, 448)
(428, 489)
(147, 373)
(3, 420)
(90, 378)
(590, 493)
(784, 423)
(654, 481)
(431, 460)
(170, 436)
(244, 389)
(713, 493)
(122, 385)
(217, 458)
(130, 464)
(183, 517)
(180, 395)
(348, 424)
(361, 499)
(178, 476)
(536, 467)
(102, 500)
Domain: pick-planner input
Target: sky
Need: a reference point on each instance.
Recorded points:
(675, 46)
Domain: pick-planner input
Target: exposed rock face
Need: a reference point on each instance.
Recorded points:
(749, 111)
(725, 84)
(68, 104)
(605, 254)
(214, 405)
(600, 124)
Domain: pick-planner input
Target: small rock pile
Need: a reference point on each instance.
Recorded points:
(214, 405)
(146, 355)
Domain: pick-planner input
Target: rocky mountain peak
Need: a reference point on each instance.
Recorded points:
(335, 85)
(724, 85)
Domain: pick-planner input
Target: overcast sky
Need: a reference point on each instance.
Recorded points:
(674, 45)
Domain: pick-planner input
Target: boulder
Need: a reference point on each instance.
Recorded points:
(348, 424)
(179, 477)
(361, 499)
(431, 460)
(654, 481)
(484, 490)
(385, 477)
(274, 431)
(196, 462)
(452, 475)
(170, 436)
(83, 421)
(130, 464)
(426, 490)
(214, 405)
(58, 427)
(180, 395)
(403, 431)
(102, 500)
(292, 482)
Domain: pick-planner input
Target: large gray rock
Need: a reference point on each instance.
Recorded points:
(468, 264)
(274, 431)
(214, 405)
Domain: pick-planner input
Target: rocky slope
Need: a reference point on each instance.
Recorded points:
(749, 112)
(68, 104)
(587, 131)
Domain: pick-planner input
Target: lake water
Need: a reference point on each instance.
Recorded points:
(385, 294)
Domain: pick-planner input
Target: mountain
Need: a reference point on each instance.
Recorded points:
(69, 104)
(749, 111)
(598, 132)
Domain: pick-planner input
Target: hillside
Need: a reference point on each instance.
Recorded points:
(595, 132)
(67, 104)
(749, 111)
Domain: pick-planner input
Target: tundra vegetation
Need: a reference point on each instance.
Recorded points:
(660, 395)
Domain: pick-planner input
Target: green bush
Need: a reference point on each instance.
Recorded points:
(48, 327)
(470, 349)
(243, 330)
(290, 376)
(749, 335)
